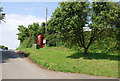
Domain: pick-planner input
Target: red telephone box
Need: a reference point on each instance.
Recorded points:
(40, 40)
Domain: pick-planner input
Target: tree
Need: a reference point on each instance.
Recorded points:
(5, 48)
(23, 33)
(70, 19)
(116, 23)
(2, 15)
(28, 35)
(1, 46)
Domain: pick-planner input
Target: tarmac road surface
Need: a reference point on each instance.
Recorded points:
(16, 67)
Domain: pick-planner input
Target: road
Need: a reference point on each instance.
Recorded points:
(16, 67)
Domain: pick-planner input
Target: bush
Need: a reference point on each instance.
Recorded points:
(5, 48)
(27, 43)
(1, 46)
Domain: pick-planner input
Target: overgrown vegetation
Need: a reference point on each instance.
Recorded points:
(28, 35)
(78, 25)
(65, 60)
(86, 28)
(71, 19)
(3, 47)
(2, 15)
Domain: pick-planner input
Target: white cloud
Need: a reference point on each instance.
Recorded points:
(8, 30)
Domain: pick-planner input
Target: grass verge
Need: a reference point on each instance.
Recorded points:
(65, 60)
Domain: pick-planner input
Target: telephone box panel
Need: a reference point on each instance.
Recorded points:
(40, 40)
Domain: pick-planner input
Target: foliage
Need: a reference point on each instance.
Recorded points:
(26, 43)
(117, 22)
(110, 37)
(68, 24)
(23, 33)
(2, 15)
(28, 36)
(67, 27)
(69, 21)
(3, 47)
(64, 60)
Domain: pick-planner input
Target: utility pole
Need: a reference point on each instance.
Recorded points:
(46, 20)
(46, 25)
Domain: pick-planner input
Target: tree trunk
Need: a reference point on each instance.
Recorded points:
(85, 51)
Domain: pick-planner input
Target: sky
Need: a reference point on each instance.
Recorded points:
(22, 13)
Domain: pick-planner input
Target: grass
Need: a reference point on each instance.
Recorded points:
(66, 60)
